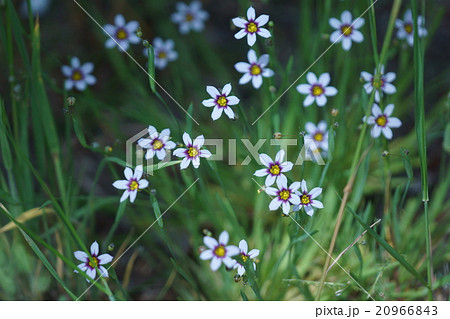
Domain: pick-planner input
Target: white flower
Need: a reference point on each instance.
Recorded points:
(123, 33)
(190, 17)
(317, 89)
(221, 101)
(37, 6)
(132, 183)
(219, 252)
(251, 27)
(275, 169)
(245, 254)
(406, 27)
(192, 152)
(382, 121)
(346, 30)
(78, 75)
(163, 51)
(157, 143)
(255, 70)
(88, 266)
(318, 134)
(382, 83)
(285, 196)
(307, 200)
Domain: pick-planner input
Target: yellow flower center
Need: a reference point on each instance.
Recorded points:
(377, 83)
(317, 90)
(305, 199)
(284, 195)
(222, 101)
(318, 137)
(220, 251)
(189, 17)
(346, 30)
(94, 262)
(162, 55)
(409, 28)
(157, 145)
(275, 170)
(134, 185)
(76, 75)
(255, 69)
(192, 152)
(121, 34)
(252, 27)
(244, 258)
(381, 120)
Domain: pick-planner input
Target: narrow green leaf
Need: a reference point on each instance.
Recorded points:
(156, 209)
(151, 67)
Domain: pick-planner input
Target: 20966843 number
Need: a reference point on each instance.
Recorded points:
(404, 310)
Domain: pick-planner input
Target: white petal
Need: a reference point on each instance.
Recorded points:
(286, 208)
(196, 161)
(229, 262)
(346, 17)
(119, 20)
(91, 273)
(316, 191)
(139, 170)
(199, 141)
(251, 39)
(272, 191)
(270, 179)
(303, 186)
(263, 32)
(243, 246)
(232, 100)
(357, 36)
(286, 166)
(207, 254)
(324, 79)
(242, 67)
(253, 253)
(143, 183)
(294, 186)
(274, 204)
(263, 60)
(229, 112)
(261, 172)
(94, 249)
(210, 242)
(103, 271)
(309, 210)
(104, 259)
(265, 159)
(376, 131)
(185, 162)
(309, 100)
(209, 102)
(335, 23)
(321, 100)
(394, 122)
(262, 20)
(389, 88)
(205, 153)
(81, 255)
(121, 184)
(317, 204)
(180, 152)
(251, 14)
(240, 23)
(187, 139)
(280, 156)
(124, 196)
(389, 77)
(128, 172)
(245, 78)
(212, 91)
(226, 89)
(346, 43)
(295, 199)
(336, 37)
(215, 263)
(224, 237)
(216, 113)
(304, 88)
(358, 23)
(387, 132)
(133, 195)
(251, 56)
(257, 81)
(232, 250)
(282, 183)
(311, 78)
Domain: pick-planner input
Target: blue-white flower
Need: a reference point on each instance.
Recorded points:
(317, 90)
(307, 199)
(157, 143)
(381, 83)
(190, 17)
(98, 261)
(164, 52)
(406, 27)
(132, 184)
(284, 196)
(78, 75)
(219, 252)
(346, 30)
(382, 121)
(122, 33)
(252, 26)
(274, 169)
(255, 70)
(221, 101)
(192, 152)
(245, 255)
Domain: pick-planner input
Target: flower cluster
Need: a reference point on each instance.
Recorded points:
(219, 252)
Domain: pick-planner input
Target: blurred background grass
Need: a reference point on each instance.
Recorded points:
(80, 205)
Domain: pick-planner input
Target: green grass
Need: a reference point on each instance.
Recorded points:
(58, 161)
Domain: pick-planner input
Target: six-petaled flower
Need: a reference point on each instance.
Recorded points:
(157, 143)
(252, 26)
(307, 199)
(221, 101)
(346, 30)
(382, 83)
(78, 75)
(163, 52)
(274, 169)
(190, 17)
(318, 134)
(284, 195)
(122, 33)
(406, 27)
(317, 89)
(132, 183)
(219, 252)
(192, 152)
(89, 265)
(245, 255)
(255, 70)
(382, 121)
